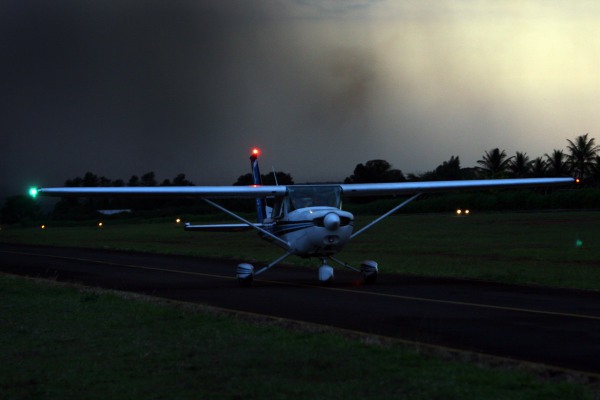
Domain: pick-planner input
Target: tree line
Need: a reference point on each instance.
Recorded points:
(581, 160)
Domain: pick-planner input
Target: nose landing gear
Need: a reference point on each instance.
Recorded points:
(325, 274)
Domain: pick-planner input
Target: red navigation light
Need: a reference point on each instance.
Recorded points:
(255, 152)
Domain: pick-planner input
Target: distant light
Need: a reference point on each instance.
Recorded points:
(33, 192)
(458, 212)
(578, 243)
(100, 224)
(467, 212)
(43, 226)
(178, 220)
(577, 180)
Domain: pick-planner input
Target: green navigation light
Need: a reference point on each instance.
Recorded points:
(33, 192)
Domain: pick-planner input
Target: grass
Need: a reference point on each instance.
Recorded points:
(61, 342)
(558, 249)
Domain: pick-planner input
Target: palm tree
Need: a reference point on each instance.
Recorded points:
(494, 163)
(557, 164)
(519, 165)
(538, 167)
(595, 170)
(583, 151)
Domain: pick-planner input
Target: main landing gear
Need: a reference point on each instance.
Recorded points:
(368, 269)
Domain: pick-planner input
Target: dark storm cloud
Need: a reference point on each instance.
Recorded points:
(89, 78)
(123, 64)
(125, 87)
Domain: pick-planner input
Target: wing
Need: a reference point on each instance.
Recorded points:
(257, 191)
(254, 191)
(370, 189)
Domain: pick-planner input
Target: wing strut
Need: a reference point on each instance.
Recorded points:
(387, 214)
(273, 263)
(258, 228)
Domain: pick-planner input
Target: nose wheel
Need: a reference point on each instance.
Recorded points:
(326, 274)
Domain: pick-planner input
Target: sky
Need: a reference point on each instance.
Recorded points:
(124, 87)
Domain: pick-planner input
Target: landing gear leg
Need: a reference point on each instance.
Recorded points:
(245, 272)
(368, 269)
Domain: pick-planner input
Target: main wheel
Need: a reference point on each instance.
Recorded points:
(245, 274)
(369, 270)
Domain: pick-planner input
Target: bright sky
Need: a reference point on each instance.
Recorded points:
(126, 87)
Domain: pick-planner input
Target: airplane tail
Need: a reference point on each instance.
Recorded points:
(261, 205)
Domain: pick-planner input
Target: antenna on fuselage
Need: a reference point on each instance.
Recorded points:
(275, 176)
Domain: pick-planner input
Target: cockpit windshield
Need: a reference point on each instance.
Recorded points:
(314, 196)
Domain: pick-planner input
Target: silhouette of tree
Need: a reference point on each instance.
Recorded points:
(447, 171)
(104, 181)
(538, 167)
(134, 181)
(557, 163)
(582, 154)
(20, 209)
(180, 180)
(148, 179)
(595, 170)
(519, 165)
(375, 171)
(75, 182)
(90, 180)
(494, 163)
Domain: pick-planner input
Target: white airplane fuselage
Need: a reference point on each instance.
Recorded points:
(314, 231)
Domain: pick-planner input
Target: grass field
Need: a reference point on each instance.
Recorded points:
(560, 249)
(69, 343)
(60, 342)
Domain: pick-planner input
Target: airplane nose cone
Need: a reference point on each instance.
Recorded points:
(331, 221)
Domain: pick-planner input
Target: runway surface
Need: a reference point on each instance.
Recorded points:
(559, 328)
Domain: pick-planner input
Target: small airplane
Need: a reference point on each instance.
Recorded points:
(304, 220)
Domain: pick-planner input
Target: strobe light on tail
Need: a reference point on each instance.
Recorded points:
(304, 220)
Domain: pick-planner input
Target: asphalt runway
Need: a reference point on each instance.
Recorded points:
(558, 328)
